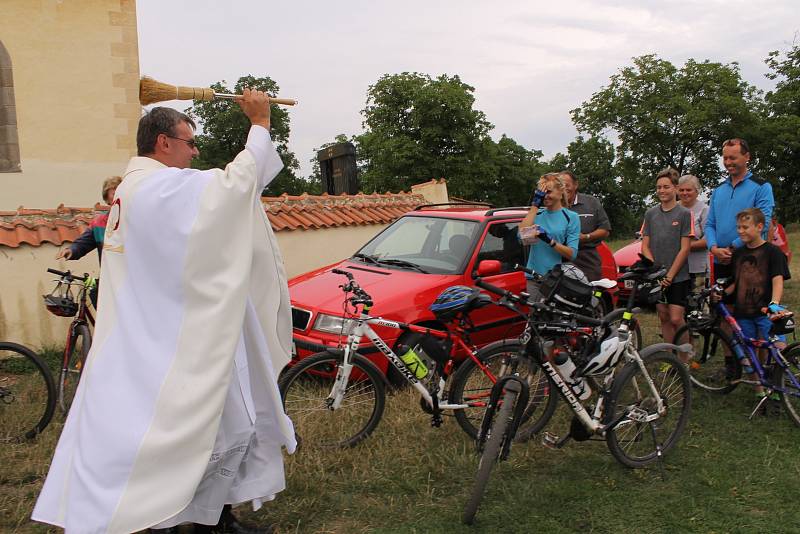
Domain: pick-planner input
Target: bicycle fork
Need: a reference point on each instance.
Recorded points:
(513, 383)
(339, 388)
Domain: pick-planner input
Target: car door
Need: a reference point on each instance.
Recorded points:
(499, 242)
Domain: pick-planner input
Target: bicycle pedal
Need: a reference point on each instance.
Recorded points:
(550, 440)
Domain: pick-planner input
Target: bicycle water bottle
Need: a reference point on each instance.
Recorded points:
(566, 368)
(412, 361)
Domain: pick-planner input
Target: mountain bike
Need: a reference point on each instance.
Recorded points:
(714, 367)
(778, 374)
(640, 409)
(336, 398)
(27, 393)
(62, 303)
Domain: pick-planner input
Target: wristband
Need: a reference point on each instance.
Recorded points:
(553, 243)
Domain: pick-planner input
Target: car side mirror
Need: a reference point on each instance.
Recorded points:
(488, 268)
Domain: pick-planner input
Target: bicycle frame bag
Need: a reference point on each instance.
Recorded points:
(436, 349)
(565, 292)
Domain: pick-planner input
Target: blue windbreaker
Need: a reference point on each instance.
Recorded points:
(727, 201)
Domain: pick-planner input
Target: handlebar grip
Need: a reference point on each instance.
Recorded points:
(493, 289)
(518, 267)
(68, 275)
(348, 274)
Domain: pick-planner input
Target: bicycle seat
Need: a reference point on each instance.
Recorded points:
(604, 283)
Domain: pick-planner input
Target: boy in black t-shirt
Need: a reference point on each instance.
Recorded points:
(759, 272)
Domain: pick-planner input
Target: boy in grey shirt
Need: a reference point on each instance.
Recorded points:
(667, 234)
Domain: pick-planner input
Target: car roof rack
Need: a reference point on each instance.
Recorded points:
(453, 204)
(510, 208)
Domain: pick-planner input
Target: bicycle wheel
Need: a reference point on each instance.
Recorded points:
(27, 393)
(490, 455)
(305, 389)
(472, 387)
(791, 395)
(71, 368)
(714, 365)
(633, 440)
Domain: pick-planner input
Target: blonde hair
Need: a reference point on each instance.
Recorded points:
(555, 179)
(108, 184)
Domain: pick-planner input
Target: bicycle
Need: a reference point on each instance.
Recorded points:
(61, 302)
(337, 397)
(714, 368)
(27, 393)
(780, 372)
(648, 396)
(475, 382)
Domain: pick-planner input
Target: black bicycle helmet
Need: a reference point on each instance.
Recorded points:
(63, 306)
(457, 299)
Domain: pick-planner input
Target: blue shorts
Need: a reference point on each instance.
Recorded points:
(757, 327)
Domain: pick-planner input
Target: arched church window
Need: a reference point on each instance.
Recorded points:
(9, 140)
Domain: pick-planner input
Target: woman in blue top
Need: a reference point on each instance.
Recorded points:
(559, 228)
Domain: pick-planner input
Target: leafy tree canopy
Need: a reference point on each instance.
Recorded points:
(669, 116)
(417, 128)
(777, 148)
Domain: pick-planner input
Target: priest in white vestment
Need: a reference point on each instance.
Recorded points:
(178, 413)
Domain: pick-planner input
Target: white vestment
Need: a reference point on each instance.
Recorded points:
(177, 411)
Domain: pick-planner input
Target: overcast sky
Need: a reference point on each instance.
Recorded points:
(530, 62)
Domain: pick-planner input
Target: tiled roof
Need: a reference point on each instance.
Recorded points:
(325, 211)
(34, 227)
(305, 212)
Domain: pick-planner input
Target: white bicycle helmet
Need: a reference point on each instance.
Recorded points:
(606, 357)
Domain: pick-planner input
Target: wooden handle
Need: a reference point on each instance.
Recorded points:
(279, 101)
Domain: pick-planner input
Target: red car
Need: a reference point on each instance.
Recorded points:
(628, 254)
(408, 264)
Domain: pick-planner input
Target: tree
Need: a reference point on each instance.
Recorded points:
(778, 147)
(418, 128)
(511, 175)
(593, 162)
(224, 130)
(664, 116)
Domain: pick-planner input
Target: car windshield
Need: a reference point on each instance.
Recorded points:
(424, 244)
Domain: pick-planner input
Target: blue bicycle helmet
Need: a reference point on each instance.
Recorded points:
(457, 299)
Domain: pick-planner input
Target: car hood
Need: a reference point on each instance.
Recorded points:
(319, 290)
(627, 255)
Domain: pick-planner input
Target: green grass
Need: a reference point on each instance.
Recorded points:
(727, 474)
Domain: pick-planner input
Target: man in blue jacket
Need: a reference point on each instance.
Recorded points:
(739, 191)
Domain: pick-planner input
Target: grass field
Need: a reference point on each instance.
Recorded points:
(727, 474)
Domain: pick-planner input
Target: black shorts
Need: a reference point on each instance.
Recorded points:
(677, 293)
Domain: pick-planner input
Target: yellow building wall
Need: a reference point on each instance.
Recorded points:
(76, 81)
(24, 319)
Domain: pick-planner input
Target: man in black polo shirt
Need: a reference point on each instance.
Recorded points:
(595, 226)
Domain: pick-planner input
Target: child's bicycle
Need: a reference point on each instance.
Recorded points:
(779, 374)
(62, 303)
(336, 398)
(641, 408)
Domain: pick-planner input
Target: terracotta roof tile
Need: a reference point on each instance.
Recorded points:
(287, 212)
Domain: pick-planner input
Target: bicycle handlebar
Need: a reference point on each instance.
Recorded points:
(68, 275)
(539, 306)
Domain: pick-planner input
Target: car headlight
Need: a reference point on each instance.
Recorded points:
(333, 324)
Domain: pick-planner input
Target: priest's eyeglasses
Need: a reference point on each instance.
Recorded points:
(190, 142)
